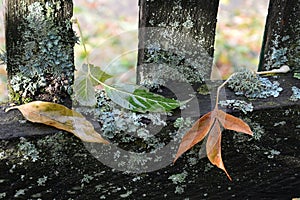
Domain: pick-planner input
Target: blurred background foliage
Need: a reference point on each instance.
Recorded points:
(239, 36)
(110, 33)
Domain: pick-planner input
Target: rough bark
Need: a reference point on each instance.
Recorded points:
(39, 45)
(281, 43)
(176, 38)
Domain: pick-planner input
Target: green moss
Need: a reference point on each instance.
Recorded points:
(203, 89)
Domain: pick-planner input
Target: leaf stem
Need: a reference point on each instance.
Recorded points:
(98, 81)
(220, 87)
(282, 69)
(75, 21)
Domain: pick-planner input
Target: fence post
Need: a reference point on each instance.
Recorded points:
(39, 45)
(176, 35)
(281, 43)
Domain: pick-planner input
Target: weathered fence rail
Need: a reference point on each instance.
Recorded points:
(266, 168)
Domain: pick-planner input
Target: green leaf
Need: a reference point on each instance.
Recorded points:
(95, 73)
(139, 99)
(130, 97)
(297, 75)
(98, 74)
(88, 77)
(84, 91)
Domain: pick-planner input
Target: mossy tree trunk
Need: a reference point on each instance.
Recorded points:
(175, 38)
(39, 45)
(281, 44)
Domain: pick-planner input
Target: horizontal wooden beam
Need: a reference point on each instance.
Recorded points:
(13, 124)
(266, 166)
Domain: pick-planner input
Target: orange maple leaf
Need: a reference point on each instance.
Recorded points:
(209, 124)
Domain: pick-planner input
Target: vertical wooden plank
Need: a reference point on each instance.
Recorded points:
(281, 43)
(176, 34)
(39, 45)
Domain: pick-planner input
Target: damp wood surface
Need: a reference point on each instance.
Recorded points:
(263, 168)
(267, 168)
(14, 125)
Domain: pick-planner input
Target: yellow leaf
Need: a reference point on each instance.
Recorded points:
(60, 117)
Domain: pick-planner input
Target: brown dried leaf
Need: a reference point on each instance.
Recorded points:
(233, 123)
(199, 130)
(213, 147)
(60, 117)
(209, 125)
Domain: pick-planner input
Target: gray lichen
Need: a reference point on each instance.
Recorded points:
(179, 181)
(44, 67)
(183, 123)
(178, 178)
(284, 39)
(116, 121)
(2, 195)
(243, 139)
(172, 65)
(27, 151)
(278, 56)
(272, 153)
(20, 193)
(140, 140)
(253, 86)
(86, 179)
(237, 105)
(42, 181)
(296, 94)
(55, 146)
